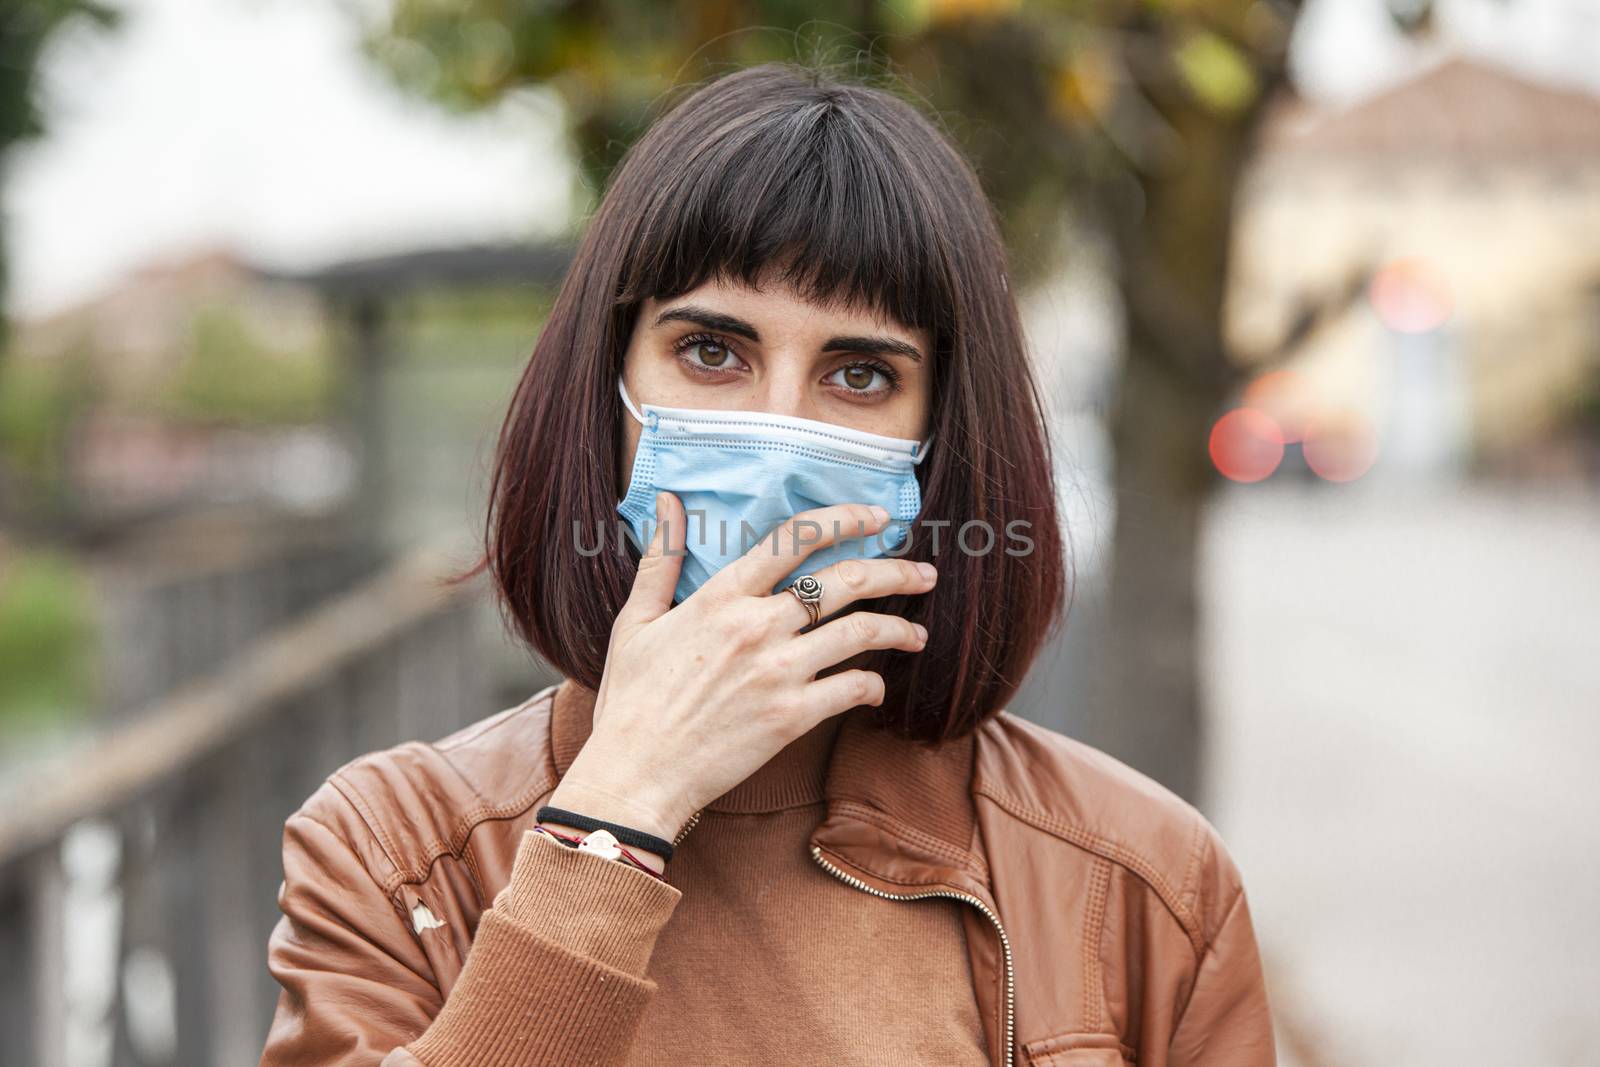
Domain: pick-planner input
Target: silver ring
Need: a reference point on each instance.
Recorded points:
(808, 591)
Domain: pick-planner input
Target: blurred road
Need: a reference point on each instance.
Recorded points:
(1405, 758)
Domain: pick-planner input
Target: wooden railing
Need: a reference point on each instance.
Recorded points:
(139, 876)
(172, 615)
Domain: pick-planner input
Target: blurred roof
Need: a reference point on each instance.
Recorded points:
(221, 269)
(1462, 107)
(539, 264)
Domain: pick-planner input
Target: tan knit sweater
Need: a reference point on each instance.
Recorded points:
(757, 955)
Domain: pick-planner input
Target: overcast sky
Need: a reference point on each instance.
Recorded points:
(256, 124)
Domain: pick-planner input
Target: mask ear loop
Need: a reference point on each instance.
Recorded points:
(922, 449)
(623, 389)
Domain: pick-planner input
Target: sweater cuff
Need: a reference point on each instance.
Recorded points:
(556, 972)
(589, 905)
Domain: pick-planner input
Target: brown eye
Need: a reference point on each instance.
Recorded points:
(711, 354)
(868, 381)
(702, 353)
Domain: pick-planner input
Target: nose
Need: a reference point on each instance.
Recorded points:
(788, 389)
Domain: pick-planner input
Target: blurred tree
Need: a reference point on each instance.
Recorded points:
(1133, 117)
(25, 28)
(230, 374)
(47, 639)
(38, 400)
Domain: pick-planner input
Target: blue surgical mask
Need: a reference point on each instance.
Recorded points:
(741, 473)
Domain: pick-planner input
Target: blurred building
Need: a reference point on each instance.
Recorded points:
(197, 380)
(140, 329)
(1466, 204)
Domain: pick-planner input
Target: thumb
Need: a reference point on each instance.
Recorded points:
(657, 579)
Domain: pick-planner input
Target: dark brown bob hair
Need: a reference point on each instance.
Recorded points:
(849, 194)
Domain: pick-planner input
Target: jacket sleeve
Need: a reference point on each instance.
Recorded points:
(1227, 1021)
(555, 974)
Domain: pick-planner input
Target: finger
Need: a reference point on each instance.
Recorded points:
(851, 580)
(859, 631)
(782, 549)
(841, 692)
(657, 579)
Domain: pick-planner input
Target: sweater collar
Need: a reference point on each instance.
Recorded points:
(899, 813)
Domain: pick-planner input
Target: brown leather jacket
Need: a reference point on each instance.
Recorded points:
(1107, 925)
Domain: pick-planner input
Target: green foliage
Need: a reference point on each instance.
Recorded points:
(47, 639)
(1105, 94)
(1218, 74)
(26, 26)
(38, 399)
(611, 62)
(229, 375)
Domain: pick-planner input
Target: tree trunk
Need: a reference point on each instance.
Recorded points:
(1147, 705)
(1145, 708)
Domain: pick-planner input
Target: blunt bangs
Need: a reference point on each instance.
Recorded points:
(805, 192)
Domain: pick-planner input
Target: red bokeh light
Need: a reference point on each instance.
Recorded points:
(1410, 296)
(1340, 446)
(1246, 445)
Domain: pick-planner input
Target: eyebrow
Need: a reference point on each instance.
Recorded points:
(716, 320)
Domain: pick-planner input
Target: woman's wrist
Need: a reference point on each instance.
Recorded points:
(634, 806)
(596, 803)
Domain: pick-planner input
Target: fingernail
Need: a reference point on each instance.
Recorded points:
(660, 497)
(922, 632)
(927, 571)
(879, 513)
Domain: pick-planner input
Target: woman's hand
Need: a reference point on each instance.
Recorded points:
(696, 697)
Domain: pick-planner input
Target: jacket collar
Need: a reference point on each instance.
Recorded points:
(900, 814)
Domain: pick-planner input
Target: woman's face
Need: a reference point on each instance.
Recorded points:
(729, 346)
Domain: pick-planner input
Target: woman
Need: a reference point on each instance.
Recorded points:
(775, 812)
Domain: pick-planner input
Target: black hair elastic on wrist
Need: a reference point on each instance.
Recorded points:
(626, 835)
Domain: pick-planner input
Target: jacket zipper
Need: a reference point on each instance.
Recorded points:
(1005, 942)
